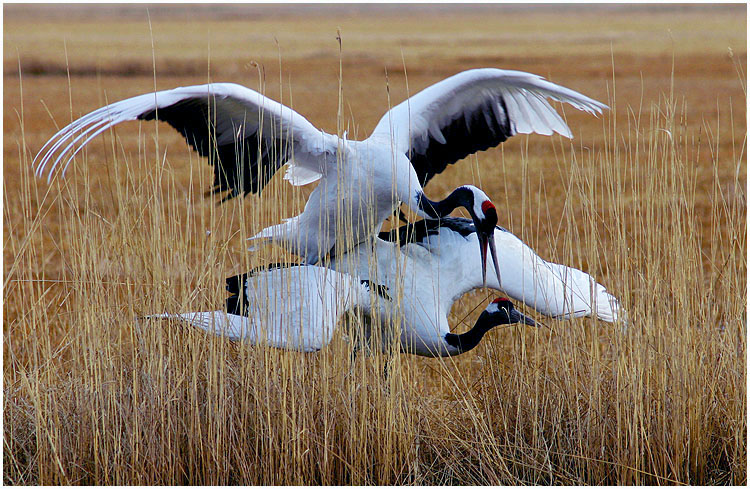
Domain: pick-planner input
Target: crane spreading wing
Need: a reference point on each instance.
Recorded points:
(245, 135)
(551, 289)
(473, 111)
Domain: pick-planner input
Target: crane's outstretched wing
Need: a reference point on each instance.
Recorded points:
(552, 289)
(290, 307)
(246, 135)
(473, 111)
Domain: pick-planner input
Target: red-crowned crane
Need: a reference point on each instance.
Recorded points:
(248, 137)
(419, 271)
(429, 265)
(262, 310)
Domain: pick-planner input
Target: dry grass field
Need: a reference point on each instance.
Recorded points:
(650, 199)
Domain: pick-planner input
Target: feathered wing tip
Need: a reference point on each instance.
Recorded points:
(557, 290)
(71, 139)
(587, 297)
(532, 113)
(609, 309)
(607, 306)
(299, 175)
(219, 323)
(276, 233)
(563, 94)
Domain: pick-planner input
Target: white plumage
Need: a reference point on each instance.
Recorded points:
(248, 137)
(295, 308)
(420, 270)
(431, 265)
(237, 113)
(484, 90)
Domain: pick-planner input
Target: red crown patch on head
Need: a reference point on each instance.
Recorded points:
(486, 205)
(500, 299)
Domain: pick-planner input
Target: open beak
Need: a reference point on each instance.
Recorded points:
(486, 240)
(517, 317)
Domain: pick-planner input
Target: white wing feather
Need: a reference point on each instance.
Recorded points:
(296, 308)
(523, 93)
(551, 289)
(237, 110)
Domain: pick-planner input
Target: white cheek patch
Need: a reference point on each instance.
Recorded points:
(493, 308)
(479, 199)
(478, 207)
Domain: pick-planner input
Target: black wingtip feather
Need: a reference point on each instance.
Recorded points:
(463, 136)
(242, 166)
(416, 232)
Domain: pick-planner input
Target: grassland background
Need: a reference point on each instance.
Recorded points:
(90, 399)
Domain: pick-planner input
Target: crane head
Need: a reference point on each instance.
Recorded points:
(501, 311)
(485, 221)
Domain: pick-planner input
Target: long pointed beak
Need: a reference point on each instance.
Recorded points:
(517, 317)
(493, 252)
(484, 241)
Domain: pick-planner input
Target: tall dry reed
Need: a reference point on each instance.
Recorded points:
(94, 396)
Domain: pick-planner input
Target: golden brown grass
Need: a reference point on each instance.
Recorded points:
(650, 199)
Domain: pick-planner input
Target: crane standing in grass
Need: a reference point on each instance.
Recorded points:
(248, 137)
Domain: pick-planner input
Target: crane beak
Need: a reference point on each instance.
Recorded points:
(517, 317)
(488, 240)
